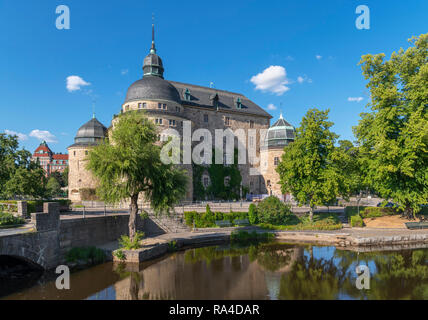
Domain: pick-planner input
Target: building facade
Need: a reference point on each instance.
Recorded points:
(171, 104)
(50, 161)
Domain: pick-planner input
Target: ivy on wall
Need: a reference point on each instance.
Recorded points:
(218, 189)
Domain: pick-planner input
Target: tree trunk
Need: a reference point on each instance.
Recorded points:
(311, 213)
(408, 211)
(133, 217)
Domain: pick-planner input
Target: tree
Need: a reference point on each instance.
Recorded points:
(19, 175)
(64, 175)
(307, 168)
(394, 135)
(59, 177)
(130, 164)
(53, 187)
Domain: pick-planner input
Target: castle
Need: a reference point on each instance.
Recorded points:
(169, 104)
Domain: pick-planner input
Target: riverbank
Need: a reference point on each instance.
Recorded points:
(358, 239)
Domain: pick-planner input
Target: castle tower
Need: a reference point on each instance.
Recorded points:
(279, 135)
(79, 178)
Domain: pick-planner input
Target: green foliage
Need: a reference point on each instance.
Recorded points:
(217, 173)
(120, 254)
(59, 177)
(91, 255)
(320, 221)
(131, 164)
(19, 175)
(245, 236)
(7, 219)
(308, 168)
(393, 136)
(53, 187)
(357, 221)
(252, 214)
(127, 243)
(208, 219)
(373, 212)
(88, 194)
(273, 211)
(172, 246)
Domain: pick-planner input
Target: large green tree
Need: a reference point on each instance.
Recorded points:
(307, 168)
(130, 165)
(394, 135)
(19, 175)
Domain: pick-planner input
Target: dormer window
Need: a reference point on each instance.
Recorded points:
(238, 103)
(187, 95)
(159, 105)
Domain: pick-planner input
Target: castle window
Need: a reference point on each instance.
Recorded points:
(238, 103)
(158, 121)
(187, 95)
(276, 161)
(159, 105)
(205, 118)
(74, 153)
(144, 105)
(251, 124)
(227, 121)
(172, 123)
(177, 109)
(140, 105)
(164, 106)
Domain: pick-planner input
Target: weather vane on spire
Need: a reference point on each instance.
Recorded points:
(93, 108)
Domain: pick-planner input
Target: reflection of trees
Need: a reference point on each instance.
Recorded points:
(401, 275)
(274, 257)
(311, 278)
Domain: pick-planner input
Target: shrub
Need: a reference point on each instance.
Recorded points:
(126, 243)
(272, 211)
(120, 254)
(373, 212)
(252, 214)
(8, 219)
(90, 255)
(208, 218)
(357, 221)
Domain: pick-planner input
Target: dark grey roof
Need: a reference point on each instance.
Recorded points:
(280, 134)
(204, 97)
(91, 133)
(152, 87)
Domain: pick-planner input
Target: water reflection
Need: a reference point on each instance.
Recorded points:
(258, 271)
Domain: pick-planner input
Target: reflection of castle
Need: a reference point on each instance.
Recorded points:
(168, 104)
(228, 278)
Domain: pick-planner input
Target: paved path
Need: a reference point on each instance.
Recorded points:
(11, 231)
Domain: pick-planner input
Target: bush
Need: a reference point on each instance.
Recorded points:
(8, 219)
(126, 243)
(357, 221)
(272, 211)
(244, 236)
(90, 255)
(208, 218)
(373, 212)
(252, 214)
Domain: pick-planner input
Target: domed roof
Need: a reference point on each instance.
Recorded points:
(152, 87)
(281, 133)
(91, 133)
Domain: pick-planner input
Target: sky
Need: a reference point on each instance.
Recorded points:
(287, 56)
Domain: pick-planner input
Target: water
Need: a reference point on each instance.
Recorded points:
(259, 271)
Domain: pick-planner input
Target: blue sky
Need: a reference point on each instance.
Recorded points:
(228, 43)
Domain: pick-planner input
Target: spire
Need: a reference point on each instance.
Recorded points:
(280, 116)
(153, 47)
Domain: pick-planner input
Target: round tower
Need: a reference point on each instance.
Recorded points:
(80, 180)
(279, 135)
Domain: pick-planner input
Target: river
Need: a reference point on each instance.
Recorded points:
(258, 271)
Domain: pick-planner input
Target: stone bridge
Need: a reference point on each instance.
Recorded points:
(46, 242)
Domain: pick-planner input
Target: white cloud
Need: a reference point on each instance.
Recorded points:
(21, 136)
(271, 106)
(304, 78)
(124, 72)
(43, 135)
(272, 79)
(355, 99)
(74, 83)
(318, 57)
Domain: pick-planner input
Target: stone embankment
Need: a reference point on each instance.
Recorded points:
(354, 239)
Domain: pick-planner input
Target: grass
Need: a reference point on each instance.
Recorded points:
(321, 221)
(89, 255)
